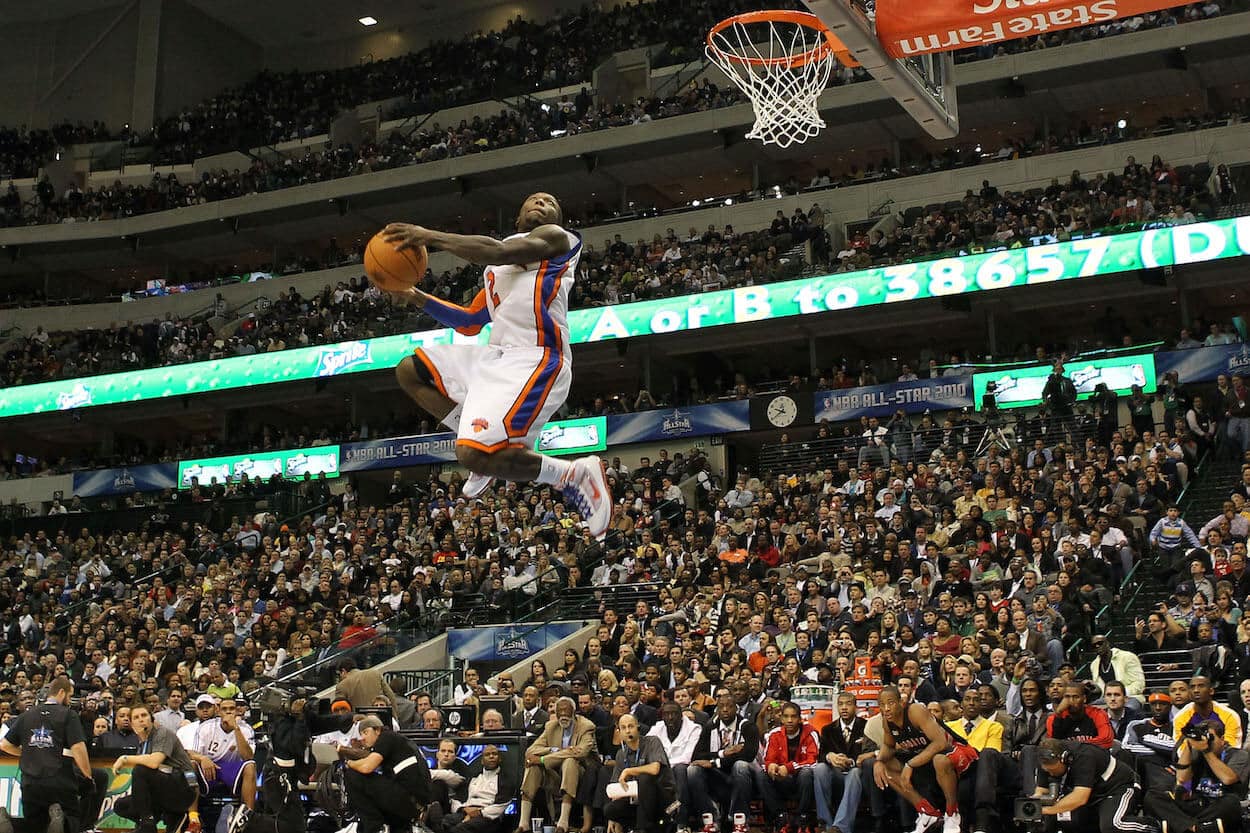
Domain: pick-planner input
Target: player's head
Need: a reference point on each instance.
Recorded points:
(539, 209)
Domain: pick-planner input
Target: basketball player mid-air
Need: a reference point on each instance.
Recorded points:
(498, 396)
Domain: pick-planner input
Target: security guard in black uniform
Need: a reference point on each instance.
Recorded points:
(49, 740)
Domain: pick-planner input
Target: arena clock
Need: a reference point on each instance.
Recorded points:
(782, 411)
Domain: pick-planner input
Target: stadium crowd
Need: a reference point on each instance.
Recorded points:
(528, 121)
(971, 582)
(526, 56)
(671, 264)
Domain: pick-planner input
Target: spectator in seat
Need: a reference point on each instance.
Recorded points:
(837, 776)
(487, 797)
(1111, 663)
(555, 762)
(1119, 713)
(1074, 720)
(1202, 708)
(679, 736)
(1210, 778)
(789, 767)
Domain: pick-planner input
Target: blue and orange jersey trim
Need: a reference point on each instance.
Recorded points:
(529, 403)
(547, 280)
(465, 320)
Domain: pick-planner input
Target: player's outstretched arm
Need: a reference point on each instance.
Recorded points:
(542, 243)
(465, 320)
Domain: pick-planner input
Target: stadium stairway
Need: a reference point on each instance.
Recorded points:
(1200, 502)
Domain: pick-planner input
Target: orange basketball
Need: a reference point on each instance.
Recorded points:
(393, 271)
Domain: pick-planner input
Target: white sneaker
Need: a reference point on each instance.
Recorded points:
(475, 484)
(950, 824)
(924, 821)
(589, 491)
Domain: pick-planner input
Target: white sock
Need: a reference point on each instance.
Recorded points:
(527, 807)
(452, 420)
(566, 808)
(554, 471)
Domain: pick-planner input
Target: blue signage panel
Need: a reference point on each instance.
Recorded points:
(942, 394)
(674, 423)
(507, 642)
(153, 478)
(398, 452)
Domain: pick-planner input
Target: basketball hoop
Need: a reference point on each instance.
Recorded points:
(781, 60)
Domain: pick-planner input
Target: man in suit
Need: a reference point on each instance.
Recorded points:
(979, 732)
(531, 717)
(645, 714)
(1119, 713)
(837, 775)
(1028, 728)
(555, 762)
(1051, 655)
(489, 793)
(721, 768)
(360, 686)
(990, 709)
(748, 707)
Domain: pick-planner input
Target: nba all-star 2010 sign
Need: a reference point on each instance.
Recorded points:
(907, 28)
(1072, 260)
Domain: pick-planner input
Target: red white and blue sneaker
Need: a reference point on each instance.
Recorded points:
(588, 491)
(475, 484)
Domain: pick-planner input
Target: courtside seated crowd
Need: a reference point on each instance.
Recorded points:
(966, 580)
(530, 55)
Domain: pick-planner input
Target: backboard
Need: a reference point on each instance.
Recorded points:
(923, 84)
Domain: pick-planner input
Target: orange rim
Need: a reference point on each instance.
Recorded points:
(831, 44)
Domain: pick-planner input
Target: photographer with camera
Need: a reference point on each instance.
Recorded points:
(1092, 789)
(1059, 397)
(388, 781)
(49, 742)
(1210, 778)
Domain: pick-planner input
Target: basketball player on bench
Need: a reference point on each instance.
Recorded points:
(917, 750)
(498, 396)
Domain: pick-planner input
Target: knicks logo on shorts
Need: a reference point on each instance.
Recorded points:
(479, 425)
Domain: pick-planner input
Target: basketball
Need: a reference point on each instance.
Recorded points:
(391, 270)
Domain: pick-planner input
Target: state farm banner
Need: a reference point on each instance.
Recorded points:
(907, 28)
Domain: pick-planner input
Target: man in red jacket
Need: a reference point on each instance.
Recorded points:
(1074, 720)
(790, 758)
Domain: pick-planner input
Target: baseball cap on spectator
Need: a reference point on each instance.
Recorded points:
(1184, 589)
(556, 686)
(205, 700)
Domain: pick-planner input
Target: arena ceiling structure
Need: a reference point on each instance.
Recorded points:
(279, 23)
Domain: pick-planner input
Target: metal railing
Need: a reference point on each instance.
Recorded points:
(439, 683)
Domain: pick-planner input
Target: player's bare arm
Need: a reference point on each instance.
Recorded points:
(542, 243)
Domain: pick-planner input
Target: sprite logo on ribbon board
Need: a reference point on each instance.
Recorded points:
(1021, 387)
(1072, 260)
(292, 465)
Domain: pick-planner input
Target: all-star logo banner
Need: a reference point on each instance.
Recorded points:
(907, 28)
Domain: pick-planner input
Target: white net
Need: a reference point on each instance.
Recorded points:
(782, 66)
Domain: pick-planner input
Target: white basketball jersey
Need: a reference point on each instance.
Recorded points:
(216, 743)
(529, 304)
